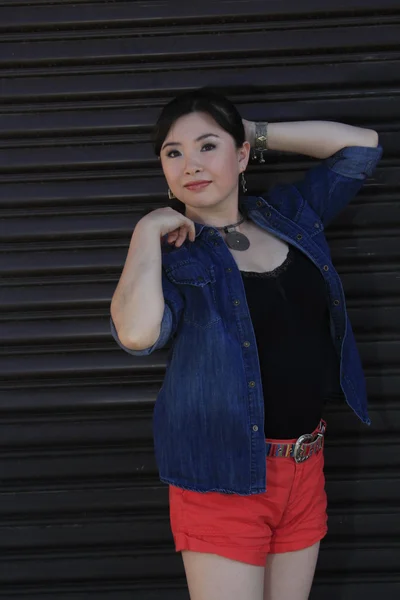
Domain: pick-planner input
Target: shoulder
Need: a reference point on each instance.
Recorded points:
(283, 197)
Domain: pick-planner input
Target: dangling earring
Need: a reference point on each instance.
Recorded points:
(244, 183)
(171, 195)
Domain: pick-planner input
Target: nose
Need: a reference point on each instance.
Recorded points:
(192, 170)
(191, 167)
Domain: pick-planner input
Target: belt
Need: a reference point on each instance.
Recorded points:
(303, 448)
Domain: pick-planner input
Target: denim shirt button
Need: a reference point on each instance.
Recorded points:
(255, 427)
(299, 236)
(211, 232)
(326, 268)
(252, 384)
(268, 214)
(229, 270)
(336, 302)
(316, 225)
(259, 203)
(246, 344)
(236, 302)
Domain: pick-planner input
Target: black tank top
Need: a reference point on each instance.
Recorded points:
(290, 315)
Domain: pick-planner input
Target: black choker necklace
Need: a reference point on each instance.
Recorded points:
(234, 239)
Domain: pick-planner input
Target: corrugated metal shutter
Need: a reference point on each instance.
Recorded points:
(82, 512)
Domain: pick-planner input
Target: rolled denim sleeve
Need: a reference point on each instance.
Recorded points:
(334, 182)
(172, 312)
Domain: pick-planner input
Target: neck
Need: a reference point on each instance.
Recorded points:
(215, 216)
(236, 225)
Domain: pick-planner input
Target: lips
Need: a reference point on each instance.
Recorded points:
(199, 185)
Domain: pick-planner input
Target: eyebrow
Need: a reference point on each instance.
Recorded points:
(201, 137)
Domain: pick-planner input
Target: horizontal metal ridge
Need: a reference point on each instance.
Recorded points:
(269, 42)
(131, 29)
(133, 549)
(377, 484)
(133, 517)
(57, 13)
(92, 334)
(277, 80)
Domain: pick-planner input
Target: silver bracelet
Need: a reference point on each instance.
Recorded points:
(261, 140)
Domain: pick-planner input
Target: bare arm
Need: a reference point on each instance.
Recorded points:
(318, 139)
(137, 306)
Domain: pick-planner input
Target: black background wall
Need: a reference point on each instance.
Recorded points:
(82, 513)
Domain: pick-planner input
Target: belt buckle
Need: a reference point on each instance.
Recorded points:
(298, 453)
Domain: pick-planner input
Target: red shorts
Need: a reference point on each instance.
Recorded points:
(290, 515)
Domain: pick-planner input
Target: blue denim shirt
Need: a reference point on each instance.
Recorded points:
(208, 419)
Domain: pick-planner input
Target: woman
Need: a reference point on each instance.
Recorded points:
(245, 289)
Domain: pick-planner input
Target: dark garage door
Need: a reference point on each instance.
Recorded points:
(83, 515)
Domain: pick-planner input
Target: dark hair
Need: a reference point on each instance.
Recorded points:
(205, 100)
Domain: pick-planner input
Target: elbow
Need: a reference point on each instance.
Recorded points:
(123, 335)
(374, 138)
(138, 342)
(132, 335)
(370, 138)
(367, 138)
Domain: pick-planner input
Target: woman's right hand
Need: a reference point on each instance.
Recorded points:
(169, 221)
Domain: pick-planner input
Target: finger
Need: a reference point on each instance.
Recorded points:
(181, 237)
(173, 236)
(191, 231)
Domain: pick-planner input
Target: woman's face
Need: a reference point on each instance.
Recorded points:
(198, 149)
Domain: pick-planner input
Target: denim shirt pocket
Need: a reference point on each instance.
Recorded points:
(310, 221)
(196, 282)
(316, 227)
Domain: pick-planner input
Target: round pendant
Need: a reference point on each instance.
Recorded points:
(237, 241)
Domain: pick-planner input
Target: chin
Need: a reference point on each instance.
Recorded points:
(198, 202)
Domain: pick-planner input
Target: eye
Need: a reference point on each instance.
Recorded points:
(170, 154)
(206, 147)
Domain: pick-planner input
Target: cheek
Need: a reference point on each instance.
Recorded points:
(226, 169)
(171, 170)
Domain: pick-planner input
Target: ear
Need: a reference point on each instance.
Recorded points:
(243, 156)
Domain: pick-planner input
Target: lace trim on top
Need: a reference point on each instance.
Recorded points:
(275, 272)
